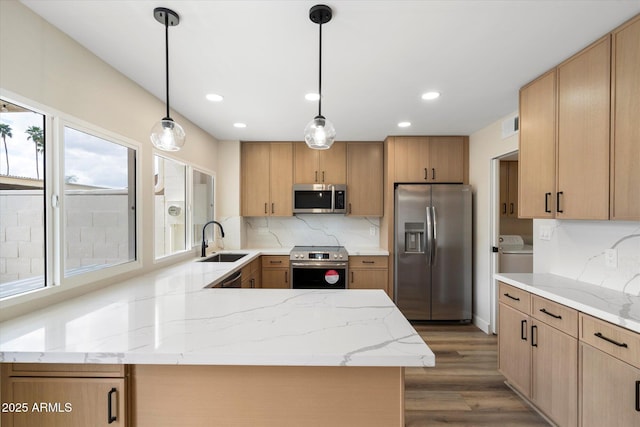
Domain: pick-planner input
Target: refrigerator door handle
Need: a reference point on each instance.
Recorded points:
(429, 242)
(434, 240)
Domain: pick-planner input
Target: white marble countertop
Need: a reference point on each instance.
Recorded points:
(167, 317)
(353, 251)
(606, 304)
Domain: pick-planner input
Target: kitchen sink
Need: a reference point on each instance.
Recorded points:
(225, 257)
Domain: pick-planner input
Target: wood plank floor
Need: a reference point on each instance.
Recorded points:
(465, 388)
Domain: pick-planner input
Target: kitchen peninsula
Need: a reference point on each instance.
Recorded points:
(195, 356)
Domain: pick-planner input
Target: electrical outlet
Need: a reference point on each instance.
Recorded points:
(545, 232)
(611, 258)
(372, 231)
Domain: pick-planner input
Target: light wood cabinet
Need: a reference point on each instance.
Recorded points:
(537, 158)
(365, 178)
(565, 120)
(625, 135)
(538, 352)
(584, 94)
(431, 159)
(368, 272)
(251, 274)
(609, 388)
(509, 189)
(320, 166)
(267, 178)
(275, 272)
(73, 397)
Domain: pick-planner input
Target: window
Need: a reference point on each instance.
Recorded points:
(203, 210)
(99, 202)
(170, 231)
(22, 200)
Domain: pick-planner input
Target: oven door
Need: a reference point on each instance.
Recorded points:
(319, 275)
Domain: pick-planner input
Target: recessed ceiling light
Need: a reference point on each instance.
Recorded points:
(404, 124)
(240, 125)
(214, 97)
(312, 97)
(430, 95)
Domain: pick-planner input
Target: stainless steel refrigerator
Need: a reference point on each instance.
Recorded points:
(433, 224)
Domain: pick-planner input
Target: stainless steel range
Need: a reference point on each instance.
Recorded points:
(319, 267)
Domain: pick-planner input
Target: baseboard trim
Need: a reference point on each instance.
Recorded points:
(481, 324)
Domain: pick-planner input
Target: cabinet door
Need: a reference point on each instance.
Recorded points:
(368, 279)
(625, 149)
(275, 278)
(411, 158)
(583, 134)
(332, 164)
(66, 402)
(514, 351)
(554, 384)
(609, 389)
(281, 179)
(255, 179)
(305, 164)
(365, 178)
(537, 168)
(504, 188)
(512, 197)
(446, 159)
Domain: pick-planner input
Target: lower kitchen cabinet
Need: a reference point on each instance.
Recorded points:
(251, 274)
(62, 397)
(538, 352)
(610, 390)
(275, 271)
(610, 374)
(368, 272)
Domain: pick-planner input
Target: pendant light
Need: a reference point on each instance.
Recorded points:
(320, 133)
(167, 135)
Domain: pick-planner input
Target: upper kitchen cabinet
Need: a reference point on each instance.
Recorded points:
(508, 188)
(430, 159)
(625, 135)
(537, 158)
(320, 166)
(267, 178)
(584, 94)
(365, 178)
(564, 139)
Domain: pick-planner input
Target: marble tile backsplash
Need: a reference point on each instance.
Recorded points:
(578, 249)
(311, 230)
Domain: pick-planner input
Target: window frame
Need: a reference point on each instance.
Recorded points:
(112, 270)
(53, 202)
(196, 239)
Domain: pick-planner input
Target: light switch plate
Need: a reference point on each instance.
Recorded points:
(372, 231)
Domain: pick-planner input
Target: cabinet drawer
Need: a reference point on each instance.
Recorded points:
(366, 262)
(614, 340)
(514, 297)
(553, 314)
(65, 370)
(275, 261)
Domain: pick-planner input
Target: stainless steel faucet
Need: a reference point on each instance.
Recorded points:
(204, 241)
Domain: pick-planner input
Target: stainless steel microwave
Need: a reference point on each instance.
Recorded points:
(319, 198)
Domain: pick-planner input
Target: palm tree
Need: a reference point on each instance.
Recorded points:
(5, 131)
(37, 136)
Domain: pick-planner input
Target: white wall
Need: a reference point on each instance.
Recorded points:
(43, 65)
(484, 146)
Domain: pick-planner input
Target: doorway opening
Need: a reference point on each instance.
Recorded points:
(511, 236)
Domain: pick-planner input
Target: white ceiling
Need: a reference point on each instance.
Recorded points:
(378, 58)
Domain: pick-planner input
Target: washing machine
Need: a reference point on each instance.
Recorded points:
(514, 255)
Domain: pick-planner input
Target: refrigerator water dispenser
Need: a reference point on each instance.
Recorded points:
(414, 237)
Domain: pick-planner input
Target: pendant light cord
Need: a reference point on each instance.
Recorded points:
(166, 43)
(320, 73)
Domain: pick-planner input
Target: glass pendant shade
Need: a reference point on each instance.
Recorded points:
(319, 134)
(167, 135)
